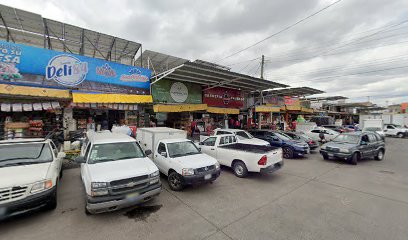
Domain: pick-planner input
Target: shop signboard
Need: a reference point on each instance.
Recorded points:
(223, 97)
(65, 69)
(291, 101)
(274, 101)
(166, 91)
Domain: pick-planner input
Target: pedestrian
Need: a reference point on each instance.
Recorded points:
(193, 127)
(237, 124)
(104, 124)
(231, 123)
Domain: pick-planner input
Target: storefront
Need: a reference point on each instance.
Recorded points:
(224, 106)
(177, 104)
(81, 92)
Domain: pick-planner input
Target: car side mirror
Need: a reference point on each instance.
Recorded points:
(61, 155)
(148, 152)
(80, 159)
(163, 154)
(199, 149)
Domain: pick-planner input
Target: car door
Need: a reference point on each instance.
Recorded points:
(390, 130)
(372, 144)
(365, 146)
(58, 161)
(161, 160)
(208, 146)
(274, 140)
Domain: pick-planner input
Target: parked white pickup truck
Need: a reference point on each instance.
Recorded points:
(116, 173)
(395, 131)
(242, 136)
(177, 157)
(29, 173)
(242, 158)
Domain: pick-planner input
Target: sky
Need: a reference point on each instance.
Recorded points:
(355, 48)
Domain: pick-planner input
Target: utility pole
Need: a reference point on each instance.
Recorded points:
(262, 66)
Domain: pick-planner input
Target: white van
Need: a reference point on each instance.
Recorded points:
(116, 173)
(30, 170)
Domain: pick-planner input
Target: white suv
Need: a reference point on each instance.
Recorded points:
(116, 173)
(29, 174)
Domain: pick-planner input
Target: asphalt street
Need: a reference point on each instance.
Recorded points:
(308, 198)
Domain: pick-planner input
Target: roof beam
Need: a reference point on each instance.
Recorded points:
(7, 29)
(109, 56)
(96, 44)
(47, 35)
(184, 79)
(61, 41)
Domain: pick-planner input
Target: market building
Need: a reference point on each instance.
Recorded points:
(54, 74)
(207, 94)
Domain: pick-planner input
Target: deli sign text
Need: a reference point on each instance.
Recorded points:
(69, 69)
(223, 97)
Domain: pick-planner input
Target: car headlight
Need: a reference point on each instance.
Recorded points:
(187, 171)
(155, 174)
(344, 150)
(217, 166)
(99, 189)
(40, 186)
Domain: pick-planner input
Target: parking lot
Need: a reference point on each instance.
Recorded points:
(308, 198)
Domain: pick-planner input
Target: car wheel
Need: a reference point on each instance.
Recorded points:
(400, 135)
(52, 204)
(325, 156)
(240, 170)
(354, 158)
(380, 155)
(287, 152)
(176, 181)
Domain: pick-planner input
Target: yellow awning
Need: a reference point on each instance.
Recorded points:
(293, 108)
(266, 109)
(110, 98)
(223, 110)
(33, 91)
(307, 110)
(179, 107)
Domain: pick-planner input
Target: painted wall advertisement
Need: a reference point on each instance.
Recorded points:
(166, 91)
(65, 69)
(223, 97)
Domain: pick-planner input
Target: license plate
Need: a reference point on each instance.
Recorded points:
(208, 176)
(132, 195)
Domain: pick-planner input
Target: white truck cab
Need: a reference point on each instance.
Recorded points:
(178, 157)
(116, 173)
(29, 173)
(242, 136)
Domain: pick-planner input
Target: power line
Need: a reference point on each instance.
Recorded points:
(283, 30)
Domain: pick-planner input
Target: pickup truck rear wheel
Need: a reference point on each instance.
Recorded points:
(240, 170)
(287, 152)
(176, 181)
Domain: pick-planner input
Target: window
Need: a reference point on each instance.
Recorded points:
(161, 148)
(364, 138)
(180, 149)
(227, 140)
(54, 149)
(22, 154)
(242, 135)
(378, 137)
(115, 152)
(209, 141)
(390, 127)
(371, 138)
(316, 131)
(223, 132)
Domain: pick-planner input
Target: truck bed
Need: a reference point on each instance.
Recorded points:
(249, 148)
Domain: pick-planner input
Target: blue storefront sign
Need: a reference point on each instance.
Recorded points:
(69, 70)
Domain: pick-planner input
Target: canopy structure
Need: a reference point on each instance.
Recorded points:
(292, 91)
(32, 29)
(328, 98)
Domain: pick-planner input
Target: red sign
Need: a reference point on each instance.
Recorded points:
(223, 97)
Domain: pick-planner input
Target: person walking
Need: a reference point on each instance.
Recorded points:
(193, 127)
(237, 124)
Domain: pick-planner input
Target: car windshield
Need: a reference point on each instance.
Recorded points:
(283, 136)
(243, 135)
(372, 129)
(115, 151)
(345, 138)
(24, 154)
(180, 149)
